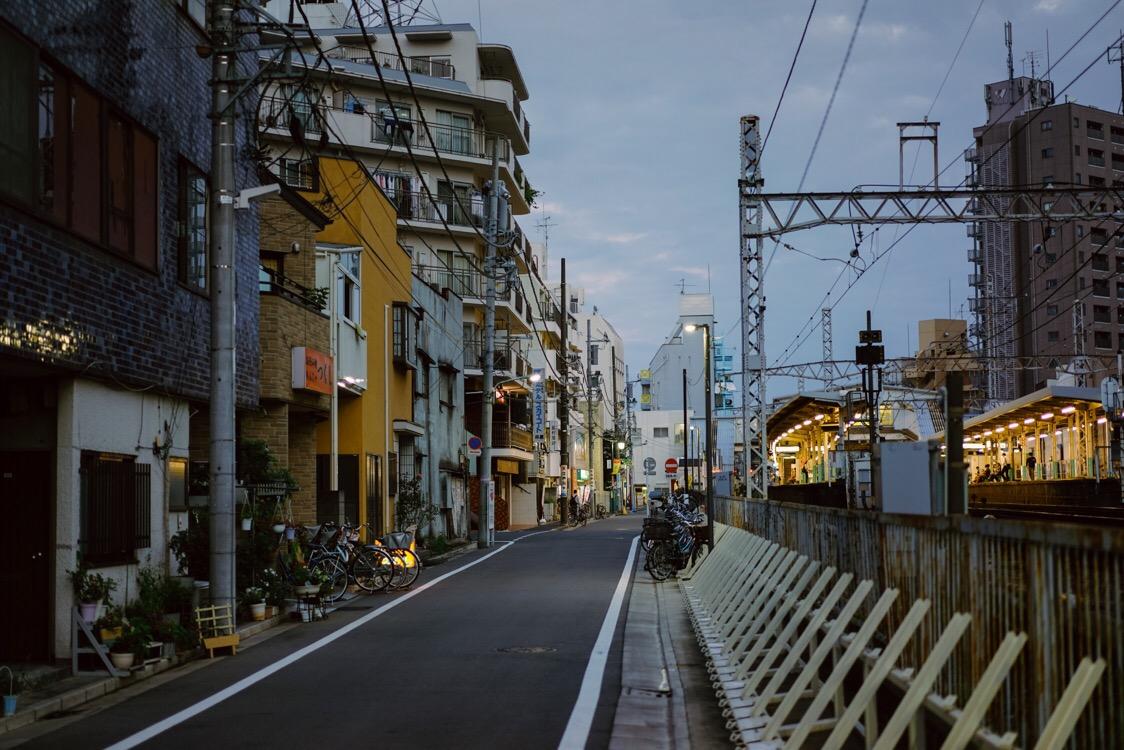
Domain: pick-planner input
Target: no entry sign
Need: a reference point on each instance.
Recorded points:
(671, 467)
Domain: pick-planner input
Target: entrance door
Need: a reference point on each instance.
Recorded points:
(25, 567)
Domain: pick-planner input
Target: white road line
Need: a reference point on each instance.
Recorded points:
(581, 718)
(194, 710)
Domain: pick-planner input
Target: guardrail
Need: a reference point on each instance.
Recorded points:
(1061, 584)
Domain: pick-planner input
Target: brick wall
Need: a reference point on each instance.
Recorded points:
(302, 463)
(71, 304)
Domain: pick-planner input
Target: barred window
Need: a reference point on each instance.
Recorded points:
(115, 508)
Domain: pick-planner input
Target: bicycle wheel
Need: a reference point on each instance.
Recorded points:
(407, 567)
(337, 577)
(656, 562)
(373, 569)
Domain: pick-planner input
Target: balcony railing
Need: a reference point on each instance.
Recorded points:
(272, 282)
(276, 111)
(419, 207)
(463, 283)
(506, 435)
(506, 357)
(425, 66)
(448, 139)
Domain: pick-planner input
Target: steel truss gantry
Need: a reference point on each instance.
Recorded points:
(834, 370)
(791, 212)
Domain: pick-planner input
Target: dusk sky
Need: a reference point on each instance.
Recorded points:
(634, 112)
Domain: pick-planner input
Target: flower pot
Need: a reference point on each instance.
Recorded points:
(278, 528)
(247, 523)
(306, 615)
(257, 611)
(89, 611)
(10, 705)
(307, 590)
(122, 661)
(290, 533)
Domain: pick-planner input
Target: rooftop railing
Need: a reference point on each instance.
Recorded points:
(421, 65)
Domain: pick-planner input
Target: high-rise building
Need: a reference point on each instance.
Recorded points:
(1041, 288)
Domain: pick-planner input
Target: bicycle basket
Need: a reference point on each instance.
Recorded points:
(398, 539)
(656, 531)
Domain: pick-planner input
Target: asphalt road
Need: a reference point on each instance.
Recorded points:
(493, 656)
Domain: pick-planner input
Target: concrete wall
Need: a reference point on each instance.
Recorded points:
(92, 416)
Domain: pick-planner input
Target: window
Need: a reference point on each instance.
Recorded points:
(104, 189)
(1102, 314)
(1047, 125)
(1120, 265)
(385, 129)
(1051, 283)
(1102, 339)
(1096, 158)
(1117, 134)
(402, 322)
(1077, 178)
(1051, 258)
(1120, 290)
(659, 432)
(348, 289)
(1051, 310)
(300, 174)
(1076, 122)
(177, 484)
(1050, 232)
(454, 132)
(115, 505)
(1120, 314)
(1047, 179)
(1080, 230)
(1098, 236)
(1094, 130)
(1100, 287)
(1052, 336)
(1077, 149)
(1095, 181)
(191, 227)
(196, 9)
(1048, 153)
(1100, 262)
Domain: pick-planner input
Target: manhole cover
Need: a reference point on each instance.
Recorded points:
(526, 650)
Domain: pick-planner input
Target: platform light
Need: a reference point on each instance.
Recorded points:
(1057, 432)
(1000, 429)
(819, 417)
(1013, 426)
(1028, 420)
(1047, 415)
(1069, 409)
(1102, 420)
(806, 422)
(987, 432)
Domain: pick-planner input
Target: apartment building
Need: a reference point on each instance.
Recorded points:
(104, 319)
(428, 142)
(1042, 289)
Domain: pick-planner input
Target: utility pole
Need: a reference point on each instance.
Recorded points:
(628, 437)
(1119, 50)
(709, 407)
(686, 436)
(589, 412)
(955, 503)
(483, 538)
(616, 427)
(220, 27)
(564, 403)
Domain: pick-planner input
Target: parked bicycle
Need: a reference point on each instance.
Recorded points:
(579, 512)
(601, 512)
(669, 538)
(399, 546)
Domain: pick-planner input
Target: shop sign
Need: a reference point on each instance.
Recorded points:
(312, 370)
(539, 405)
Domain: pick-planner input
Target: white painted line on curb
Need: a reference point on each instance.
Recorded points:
(194, 710)
(581, 718)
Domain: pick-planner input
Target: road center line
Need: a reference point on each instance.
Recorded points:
(581, 718)
(194, 710)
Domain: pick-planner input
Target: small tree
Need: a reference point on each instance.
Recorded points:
(412, 507)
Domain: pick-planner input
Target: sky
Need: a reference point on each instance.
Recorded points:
(634, 114)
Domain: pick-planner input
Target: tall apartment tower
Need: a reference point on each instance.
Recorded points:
(1044, 289)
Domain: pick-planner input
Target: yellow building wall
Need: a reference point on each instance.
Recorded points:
(362, 216)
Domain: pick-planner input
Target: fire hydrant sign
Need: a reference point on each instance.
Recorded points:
(670, 467)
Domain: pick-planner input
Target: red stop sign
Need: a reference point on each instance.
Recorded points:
(670, 466)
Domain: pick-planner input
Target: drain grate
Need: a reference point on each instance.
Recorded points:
(526, 650)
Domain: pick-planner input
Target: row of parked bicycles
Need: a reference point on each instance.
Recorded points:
(671, 537)
(351, 554)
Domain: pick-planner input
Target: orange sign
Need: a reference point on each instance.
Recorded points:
(312, 370)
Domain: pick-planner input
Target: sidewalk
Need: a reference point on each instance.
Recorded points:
(666, 700)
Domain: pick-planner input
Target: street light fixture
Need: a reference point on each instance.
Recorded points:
(691, 328)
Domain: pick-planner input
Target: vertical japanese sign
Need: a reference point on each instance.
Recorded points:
(538, 391)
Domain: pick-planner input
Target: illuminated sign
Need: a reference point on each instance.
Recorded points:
(312, 370)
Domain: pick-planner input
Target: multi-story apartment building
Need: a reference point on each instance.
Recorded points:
(426, 125)
(1043, 289)
(104, 328)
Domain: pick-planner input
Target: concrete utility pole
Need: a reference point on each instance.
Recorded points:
(564, 403)
(627, 501)
(220, 27)
(616, 428)
(589, 412)
(484, 537)
(686, 437)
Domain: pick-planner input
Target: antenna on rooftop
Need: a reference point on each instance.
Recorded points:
(1008, 39)
(402, 12)
(1118, 49)
(545, 224)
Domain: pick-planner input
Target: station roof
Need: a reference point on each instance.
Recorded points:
(1053, 398)
(802, 407)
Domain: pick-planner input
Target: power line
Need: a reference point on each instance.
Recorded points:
(791, 67)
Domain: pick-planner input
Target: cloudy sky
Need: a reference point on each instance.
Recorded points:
(634, 112)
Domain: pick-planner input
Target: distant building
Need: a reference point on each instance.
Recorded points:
(942, 347)
(1033, 282)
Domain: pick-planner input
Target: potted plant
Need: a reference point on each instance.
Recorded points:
(277, 589)
(134, 640)
(111, 624)
(305, 585)
(13, 692)
(90, 589)
(254, 598)
(247, 516)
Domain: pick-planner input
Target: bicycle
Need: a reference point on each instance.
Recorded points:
(370, 567)
(579, 513)
(322, 565)
(670, 541)
(399, 546)
(601, 512)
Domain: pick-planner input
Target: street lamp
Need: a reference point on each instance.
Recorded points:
(690, 328)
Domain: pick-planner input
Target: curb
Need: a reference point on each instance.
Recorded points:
(82, 695)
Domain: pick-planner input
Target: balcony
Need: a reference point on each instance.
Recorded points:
(434, 67)
(463, 213)
(463, 283)
(272, 282)
(448, 139)
(507, 360)
(506, 435)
